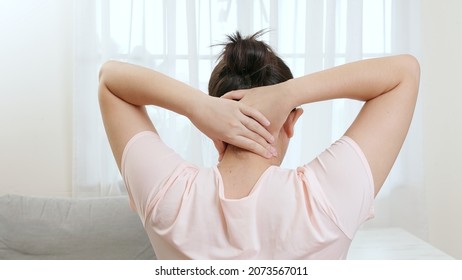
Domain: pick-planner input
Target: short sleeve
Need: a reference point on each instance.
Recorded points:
(343, 180)
(147, 163)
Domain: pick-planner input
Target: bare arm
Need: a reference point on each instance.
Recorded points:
(389, 86)
(125, 89)
(362, 80)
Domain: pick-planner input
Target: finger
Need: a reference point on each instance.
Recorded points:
(235, 95)
(252, 146)
(255, 137)
(257, 130)
(254, 114)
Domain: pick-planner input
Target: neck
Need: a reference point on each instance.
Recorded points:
(238, 158)
(244, 160)
(241, 169)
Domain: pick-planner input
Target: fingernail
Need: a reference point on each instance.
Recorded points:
(274, 152)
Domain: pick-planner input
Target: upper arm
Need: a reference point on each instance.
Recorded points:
(122, 120)
(381, 126)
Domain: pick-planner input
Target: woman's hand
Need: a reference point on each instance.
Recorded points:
(226, 121)
(272, 101)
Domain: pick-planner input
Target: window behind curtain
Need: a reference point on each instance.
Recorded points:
(177, 38)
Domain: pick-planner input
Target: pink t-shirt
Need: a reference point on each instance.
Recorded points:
(311, 212)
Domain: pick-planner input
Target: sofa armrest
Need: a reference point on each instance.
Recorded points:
(70, 228)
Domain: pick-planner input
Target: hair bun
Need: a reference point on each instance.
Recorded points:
(246, 63)
(247, 57)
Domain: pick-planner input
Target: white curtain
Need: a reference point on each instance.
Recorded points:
(176, 38)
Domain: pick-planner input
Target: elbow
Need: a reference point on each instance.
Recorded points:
(412, 67)
(105, 70)
(106, 75)
(408, 71)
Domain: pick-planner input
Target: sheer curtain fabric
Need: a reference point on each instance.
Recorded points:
(178, 38)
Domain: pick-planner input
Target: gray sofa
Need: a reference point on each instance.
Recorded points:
(71, 228)
(106, 228)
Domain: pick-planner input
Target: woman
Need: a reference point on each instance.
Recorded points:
(247, 207)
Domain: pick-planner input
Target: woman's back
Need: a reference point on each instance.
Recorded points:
(288, 214)
(311, 212)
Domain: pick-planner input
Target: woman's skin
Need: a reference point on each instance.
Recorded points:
(389, 87)
(125, 89)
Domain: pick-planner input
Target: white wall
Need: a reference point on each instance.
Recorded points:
(442, 86)
(35, 97)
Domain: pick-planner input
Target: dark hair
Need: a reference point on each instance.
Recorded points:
(246, 63)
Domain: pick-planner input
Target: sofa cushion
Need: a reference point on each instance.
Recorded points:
(71, 228)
